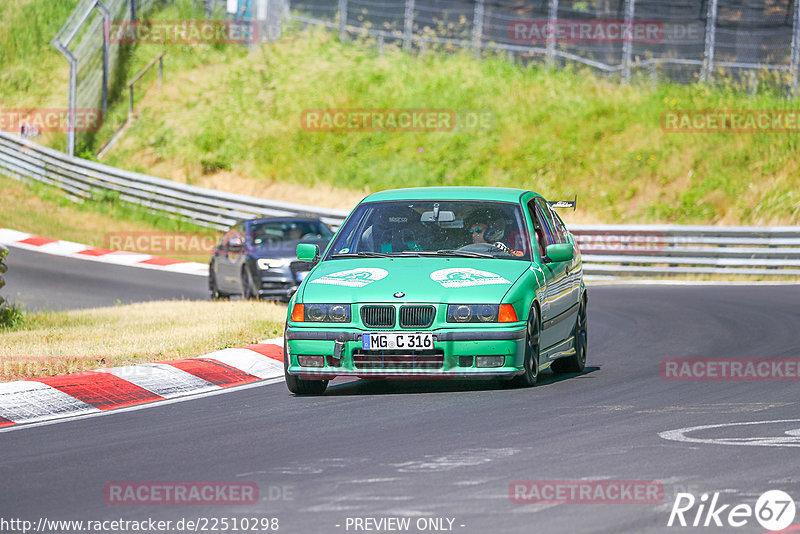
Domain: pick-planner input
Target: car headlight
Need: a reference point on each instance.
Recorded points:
(266, 264)
(481, 313)
(326, 313)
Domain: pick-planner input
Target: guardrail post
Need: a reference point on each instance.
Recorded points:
(711, 42)
(73, 97)
(627, 42)
(477, 27)
(795, 64)
(342, 19)
(408, 25)
(106, 24)
(3, 269)
(552, 22)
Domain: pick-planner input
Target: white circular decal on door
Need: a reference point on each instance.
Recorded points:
(466, 277)
(353, 277)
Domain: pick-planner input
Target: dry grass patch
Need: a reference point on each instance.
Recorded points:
(52, 343)
(44, 212)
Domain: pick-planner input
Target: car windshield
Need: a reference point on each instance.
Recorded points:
(264, 234)
(475, 229)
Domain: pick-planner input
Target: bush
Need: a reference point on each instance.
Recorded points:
(12, 316)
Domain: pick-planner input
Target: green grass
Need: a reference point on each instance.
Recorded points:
(559, 133)
(12, 317)
(49, 343)
(42, 210)
(32, 71)
(224, 112)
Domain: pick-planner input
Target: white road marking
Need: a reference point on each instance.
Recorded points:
(790, 439)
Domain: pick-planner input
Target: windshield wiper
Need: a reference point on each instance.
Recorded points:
(464, 253)
(361, 255)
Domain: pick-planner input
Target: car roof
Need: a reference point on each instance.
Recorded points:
(502, 194)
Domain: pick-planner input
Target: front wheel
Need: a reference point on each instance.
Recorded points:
(248, 291)
(297, 385)
(213, 288)
(577, 362)
(531, 360)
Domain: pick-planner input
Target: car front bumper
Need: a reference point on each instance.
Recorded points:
(453, 355)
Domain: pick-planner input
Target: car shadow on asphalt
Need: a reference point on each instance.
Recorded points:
(444, 385)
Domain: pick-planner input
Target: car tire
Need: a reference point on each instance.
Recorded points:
(213, 289)
(577, 362)
(248, 292)
(297, 385)
(532, 347)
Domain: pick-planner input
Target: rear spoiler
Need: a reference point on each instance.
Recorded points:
(565, 203)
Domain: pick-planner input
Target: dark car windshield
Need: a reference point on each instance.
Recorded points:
(475, 229)
(270, 233)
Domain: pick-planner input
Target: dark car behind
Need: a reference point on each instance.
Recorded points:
(256, 258)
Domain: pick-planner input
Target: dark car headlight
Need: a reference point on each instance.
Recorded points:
(481, 313)
(326, 313)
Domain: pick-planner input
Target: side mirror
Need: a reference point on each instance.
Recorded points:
(560, 252)
(307, 252)
(236, 244)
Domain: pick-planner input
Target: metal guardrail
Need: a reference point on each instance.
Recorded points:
(607, 250)
(3, 269)
(25, 160)
(645, 250)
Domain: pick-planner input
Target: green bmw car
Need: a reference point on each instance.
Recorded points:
(438, 282)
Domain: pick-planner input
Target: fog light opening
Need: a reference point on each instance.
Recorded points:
(489, 361)
(311, 361)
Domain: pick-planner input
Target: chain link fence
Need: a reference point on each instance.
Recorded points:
(93, 58)
(745, 41)
(87, 41)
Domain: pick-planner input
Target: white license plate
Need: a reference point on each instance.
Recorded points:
(404, 341)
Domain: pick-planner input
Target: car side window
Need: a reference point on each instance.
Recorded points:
(538, 226)
(558, 224)
(554, 232)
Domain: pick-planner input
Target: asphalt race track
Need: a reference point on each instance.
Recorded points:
(373, 449)
(43, 281)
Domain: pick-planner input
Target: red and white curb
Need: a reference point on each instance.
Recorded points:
(56, 397)
(69, 249)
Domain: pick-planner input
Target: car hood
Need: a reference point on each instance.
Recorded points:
(449, 280)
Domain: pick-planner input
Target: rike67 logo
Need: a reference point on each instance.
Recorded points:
(774, 510)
